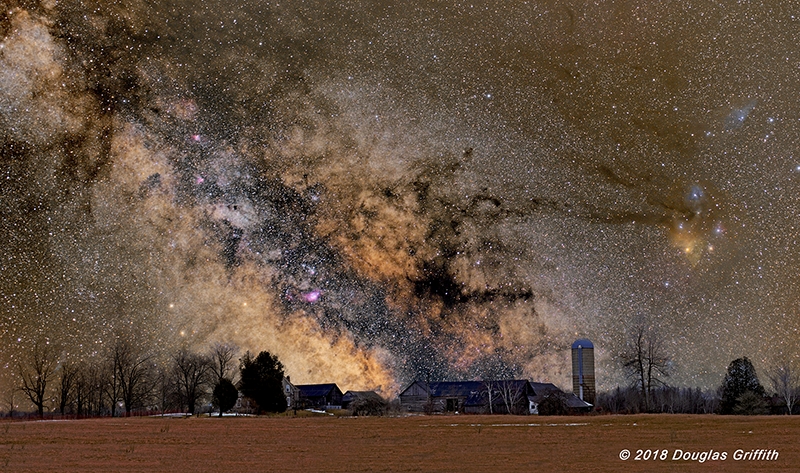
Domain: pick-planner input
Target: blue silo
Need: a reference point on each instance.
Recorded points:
(583, 370)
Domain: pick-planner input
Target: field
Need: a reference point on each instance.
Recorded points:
(418, 443)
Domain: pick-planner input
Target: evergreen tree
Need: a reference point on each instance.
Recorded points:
(750, 404)
(740, 379)
(262, 381)
(225, 395)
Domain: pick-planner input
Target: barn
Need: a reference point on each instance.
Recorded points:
(445, 396)
(471, 397)
(319, 396)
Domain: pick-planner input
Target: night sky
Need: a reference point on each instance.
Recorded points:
(377, 191)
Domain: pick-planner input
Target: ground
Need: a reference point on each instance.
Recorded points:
(418, 443)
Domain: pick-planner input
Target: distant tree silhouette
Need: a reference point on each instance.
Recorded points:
(740, 380)
(225, 395)
(222, 356)
(190, 372)
(67, 377)
(646, 360)
(133, 373)
(261, 381)
(37, 373)
(89, 387)
(785, 383)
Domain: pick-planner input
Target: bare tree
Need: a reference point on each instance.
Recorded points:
(37, 373)
(491, 393)
(10, 399)
(509, 392)
(222, 357)
(89, 388)
(81, 389)
(222, 369)
(646, 360)
(109, 385)
(786, 383)
(67, 377)
(191, 374)
(512, 392)
(165, 389)
(133, 374)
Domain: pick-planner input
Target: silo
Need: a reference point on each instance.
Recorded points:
(583, 370)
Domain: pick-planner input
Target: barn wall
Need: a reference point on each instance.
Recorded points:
(414, 403)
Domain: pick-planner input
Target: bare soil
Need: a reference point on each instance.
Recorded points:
(419, 443)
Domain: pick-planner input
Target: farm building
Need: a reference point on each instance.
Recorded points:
(319, 396)
(514, 396)
(583, 382)
(365, 403)
(573, 403)
(472, 397)
(291, 393)
(446, 396)
(351, 396)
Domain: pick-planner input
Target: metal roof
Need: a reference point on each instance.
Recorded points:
(353, 395)
(468, 389)
(316, 390)
(454, 388)
(543, 390)
(582, 343)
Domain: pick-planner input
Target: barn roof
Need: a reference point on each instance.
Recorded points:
(353, 395)
(542, 390)
(316, 390)
(575, 402)
(468, 389)
(455, 388)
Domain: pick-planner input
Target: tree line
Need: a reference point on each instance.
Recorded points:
(648, 364)
(127, 379)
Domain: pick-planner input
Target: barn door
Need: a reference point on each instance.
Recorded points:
(452, 405)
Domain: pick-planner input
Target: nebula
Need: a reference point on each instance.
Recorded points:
(381, 192)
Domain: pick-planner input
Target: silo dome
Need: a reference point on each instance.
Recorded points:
(583, 343)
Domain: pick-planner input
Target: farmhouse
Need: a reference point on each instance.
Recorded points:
(291, 393)
(319, 396)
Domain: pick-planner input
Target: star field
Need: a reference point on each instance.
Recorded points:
(377, 192)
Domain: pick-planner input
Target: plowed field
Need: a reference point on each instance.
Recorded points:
(419, 443)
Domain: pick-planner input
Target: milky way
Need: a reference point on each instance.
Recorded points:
(380, 191)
